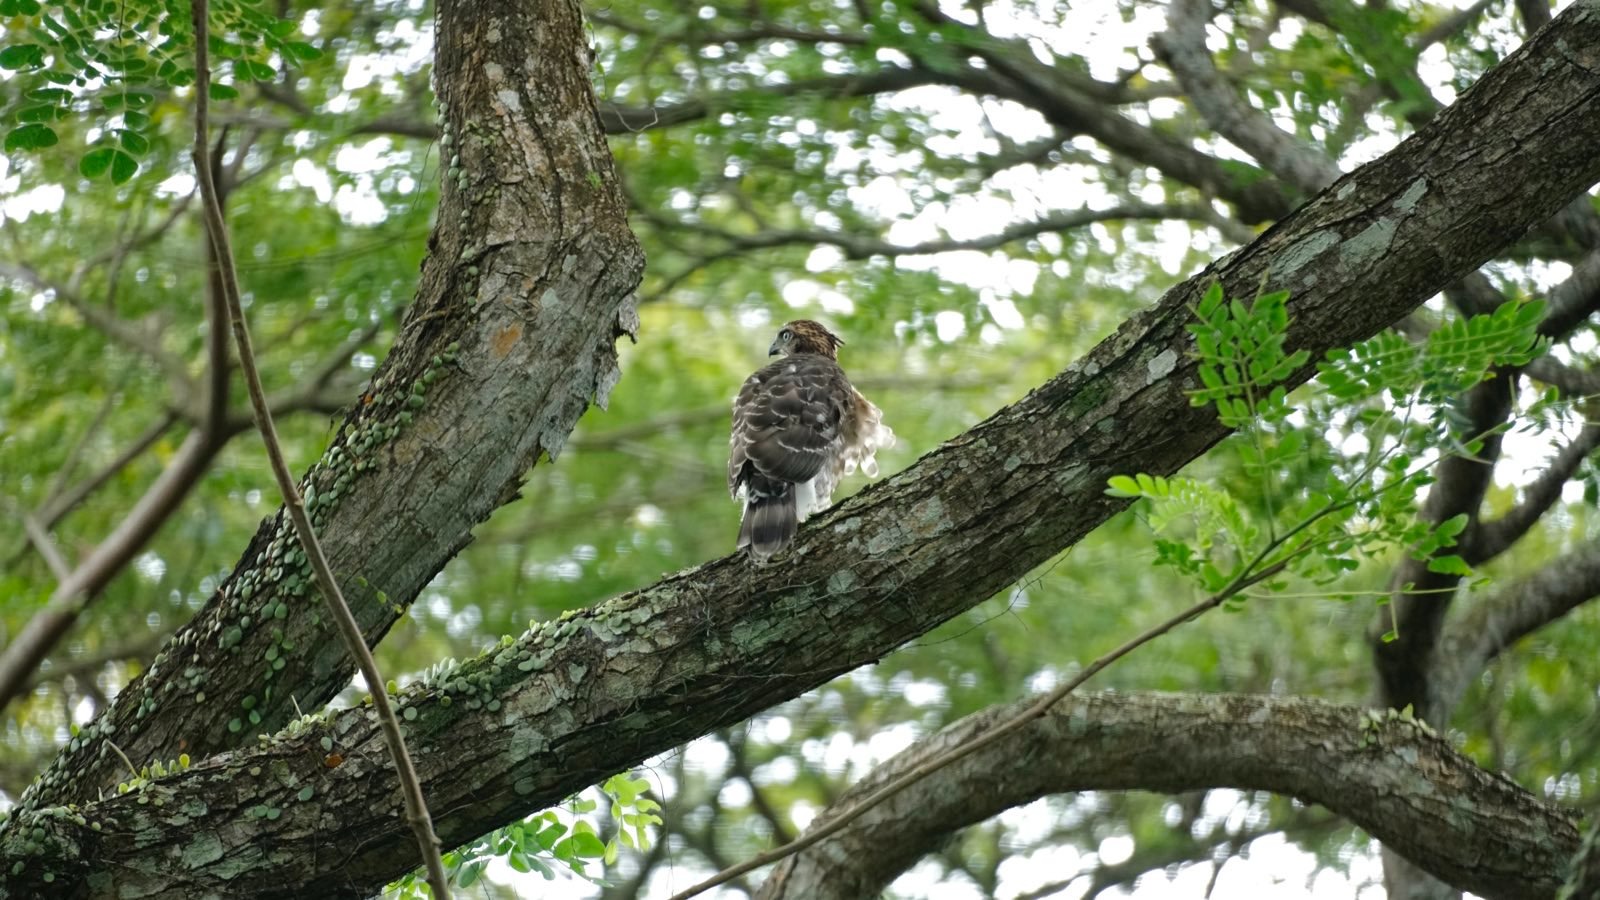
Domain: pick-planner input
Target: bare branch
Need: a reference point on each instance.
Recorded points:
(47, 548)
(1574, 300)
(1516, 609)
(47, 626)
(1183, 48)
(130, 336)
(57, 507)
(1535, 14)
(1490, 539)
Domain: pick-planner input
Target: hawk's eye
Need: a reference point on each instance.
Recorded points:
(785, 335)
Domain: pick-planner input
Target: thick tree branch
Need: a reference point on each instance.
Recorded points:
(573, 701)
(1370, 772)
(1389, 775)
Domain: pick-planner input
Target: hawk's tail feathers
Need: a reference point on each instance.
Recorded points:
(768, 525)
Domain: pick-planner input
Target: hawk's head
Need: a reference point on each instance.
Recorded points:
(805, 336)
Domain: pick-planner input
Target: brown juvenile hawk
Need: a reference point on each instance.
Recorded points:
(798, 427)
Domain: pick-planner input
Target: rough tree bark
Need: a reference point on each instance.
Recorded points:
(573, 701)
(1387, 775)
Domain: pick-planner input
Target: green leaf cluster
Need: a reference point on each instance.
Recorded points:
(555, 840)
(1359, 507)
(106, 63)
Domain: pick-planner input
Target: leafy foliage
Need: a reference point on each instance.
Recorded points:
(1242, 361)
(553, 841)
(107, 63)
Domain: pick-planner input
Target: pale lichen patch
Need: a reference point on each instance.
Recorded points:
(1368, 245)
(1161, 366)
(206, 848)
(928, 518)
(1303, 252)
(1407, 201)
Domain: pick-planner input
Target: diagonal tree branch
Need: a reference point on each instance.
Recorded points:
(1495, 537)
(1512, 612)
(1183, 48)
(225, 282)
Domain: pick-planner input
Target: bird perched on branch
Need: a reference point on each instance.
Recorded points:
(798, 427)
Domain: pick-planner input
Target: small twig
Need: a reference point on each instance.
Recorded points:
(216, 229)
(1019, 721)
(47, 548)
(133, 770)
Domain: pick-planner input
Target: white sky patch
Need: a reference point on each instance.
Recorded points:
(359, 207)
(1004, 312)
(179, 185)
(46, 198)
(150, 566)
(372, 156)
(949, 324)
(308, 174)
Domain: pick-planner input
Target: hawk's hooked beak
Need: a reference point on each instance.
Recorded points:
(774, 349)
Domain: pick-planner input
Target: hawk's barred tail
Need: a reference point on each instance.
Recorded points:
(768, 525)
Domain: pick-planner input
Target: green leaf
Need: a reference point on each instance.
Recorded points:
(22, 56)
(123, 167)
(134, 142)
(1123, 486)
(1449, 565)
(223, 92)
(30, 137)
(303, 51)
(96, 162)
(587, 845)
